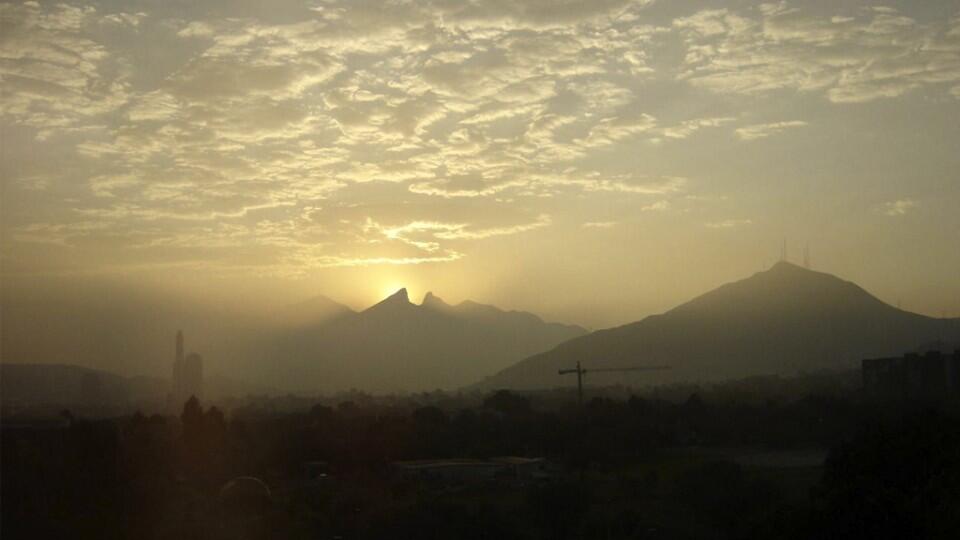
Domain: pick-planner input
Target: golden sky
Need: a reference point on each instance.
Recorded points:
(593, 162)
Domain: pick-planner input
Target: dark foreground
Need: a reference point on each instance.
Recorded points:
(730, 462)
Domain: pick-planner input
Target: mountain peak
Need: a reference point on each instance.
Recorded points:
(399, 298)
(432, 300)
(786, 266)
(787, 273)
(787, 288)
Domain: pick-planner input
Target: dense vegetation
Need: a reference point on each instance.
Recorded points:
(640, 466)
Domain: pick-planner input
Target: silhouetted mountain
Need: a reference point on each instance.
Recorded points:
(27, 385)
(396, 345)
(780, 321)
(396, 305)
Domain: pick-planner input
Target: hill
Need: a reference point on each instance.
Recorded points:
(784, 320)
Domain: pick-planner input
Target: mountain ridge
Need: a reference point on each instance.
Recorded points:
(396, 345)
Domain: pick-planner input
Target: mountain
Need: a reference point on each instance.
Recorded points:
(780, 321)
(397, 345)
(58, 383)
(32, 388)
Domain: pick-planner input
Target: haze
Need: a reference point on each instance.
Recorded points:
(584, 161)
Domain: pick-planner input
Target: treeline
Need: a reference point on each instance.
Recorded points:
(623, 470)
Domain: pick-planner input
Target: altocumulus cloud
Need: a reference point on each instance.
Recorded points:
(347, 134)
(759, 131)
(899, 207)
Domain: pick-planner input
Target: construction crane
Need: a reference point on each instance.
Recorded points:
(580, 371)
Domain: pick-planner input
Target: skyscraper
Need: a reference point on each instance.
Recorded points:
(178, 370)
(187, 376)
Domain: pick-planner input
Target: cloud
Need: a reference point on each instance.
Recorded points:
(333, 261)
(689, 127)
(450, 189)
(661, 187)
(869, 55)
(729, 223)
(658, 206)
(437, 230)
(899, 207)
(108, 185)
(760, 131)
(599, 224)
(542, 13)
(54, 75)
(542, 220)
(611, 130)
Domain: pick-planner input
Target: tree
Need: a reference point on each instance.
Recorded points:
(896, 481)
(507, 403)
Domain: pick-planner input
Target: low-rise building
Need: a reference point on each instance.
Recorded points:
(932, 375)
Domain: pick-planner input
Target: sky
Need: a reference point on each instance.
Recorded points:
(593, 162)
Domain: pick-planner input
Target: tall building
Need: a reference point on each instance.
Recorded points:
(176, 391)
(187, 376)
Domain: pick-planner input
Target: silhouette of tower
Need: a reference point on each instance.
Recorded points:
(176, 390)
(187, 376)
